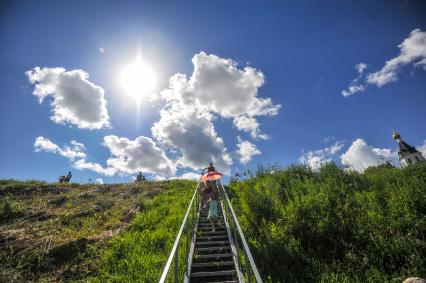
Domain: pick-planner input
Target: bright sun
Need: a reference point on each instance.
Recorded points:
(138, 79)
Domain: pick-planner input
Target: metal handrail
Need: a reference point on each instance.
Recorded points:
(174, 252)
(246, 248)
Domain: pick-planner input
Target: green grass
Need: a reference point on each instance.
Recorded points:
(10, 209)
(69, 232)
(334, 225)
(140, 253)
(330, 225)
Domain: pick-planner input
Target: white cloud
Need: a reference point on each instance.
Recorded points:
(185, 129)
(191, 132)
(220, 87)
(360, 156)
(216, 87)
(127, 156)
(422, 148)
(361, 67)
(75, 100)
(412, 50)
(249, 124)
(82, 164)
(353, 89)
(99, 181)
(315, 159)
(246, 150)
(76, 150)
(141, 154)
(189, 176)
(355, 86)
(101, 49)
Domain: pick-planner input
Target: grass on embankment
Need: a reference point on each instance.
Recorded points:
(63, 232)
(140, 253)
(333, 225)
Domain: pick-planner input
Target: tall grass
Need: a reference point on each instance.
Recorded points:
(333, 225)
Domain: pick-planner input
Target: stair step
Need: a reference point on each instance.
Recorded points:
(206, 233)
(206, 224)
(213, 256)
(212, 237)
(211, 249)
(205, 229)
(209, 243)
(213, 264)
(215, 273)
(207, 219)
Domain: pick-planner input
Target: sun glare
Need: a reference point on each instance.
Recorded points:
(138, 79)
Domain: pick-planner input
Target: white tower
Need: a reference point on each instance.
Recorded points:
(407, 154)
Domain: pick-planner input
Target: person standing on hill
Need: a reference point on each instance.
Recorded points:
(140, 177)
(210, 168)
(68, 177)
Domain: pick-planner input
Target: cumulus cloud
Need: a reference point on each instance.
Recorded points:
(412, 51)
(220, 87)
(82, 164)
(141, 154)
(246, 150)
(75, 100)
(127, 156)
(191, 132)
(249, 124)
(185, 129)
(422, 148)
(360, 156)
(189, 176)
(72, 151)
(315, 159)
(99, 181)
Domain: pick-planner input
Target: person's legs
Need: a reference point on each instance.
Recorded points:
(212, 222)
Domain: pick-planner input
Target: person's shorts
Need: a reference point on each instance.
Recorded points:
(208, 192)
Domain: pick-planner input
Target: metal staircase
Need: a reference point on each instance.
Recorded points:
(213, 259)
(200, 254)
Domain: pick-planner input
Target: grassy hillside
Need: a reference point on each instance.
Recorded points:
(333, 225)
(302, 225)
(71, 232)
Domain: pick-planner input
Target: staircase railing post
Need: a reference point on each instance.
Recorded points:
(187, 244)
(248, 270)
(176, 265)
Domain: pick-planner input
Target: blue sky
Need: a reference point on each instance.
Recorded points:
(299, 54)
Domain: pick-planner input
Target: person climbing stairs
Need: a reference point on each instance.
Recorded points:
(213, 249)
(213, 260)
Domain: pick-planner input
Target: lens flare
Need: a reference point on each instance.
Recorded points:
(138, 79)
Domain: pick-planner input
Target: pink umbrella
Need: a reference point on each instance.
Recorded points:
(211, 176)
